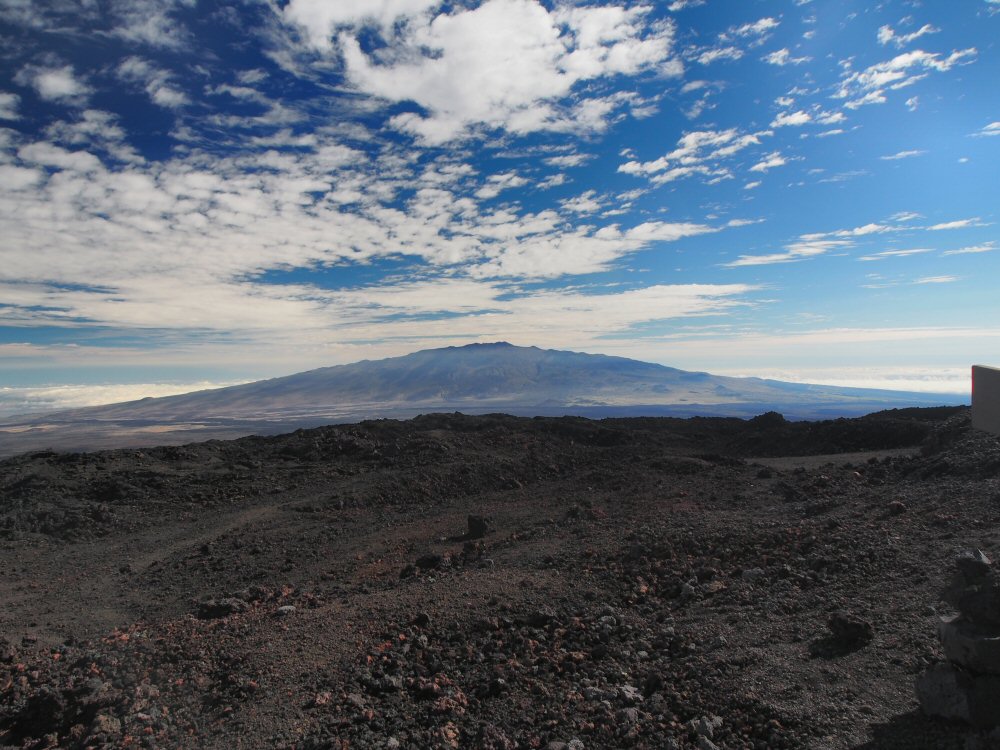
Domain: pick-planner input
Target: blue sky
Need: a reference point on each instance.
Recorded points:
(197, 193)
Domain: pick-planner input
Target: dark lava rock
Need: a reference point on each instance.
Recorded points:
(478, 527)
(422, 620)
(429, 562)
(974, 589)
(213, 609)
(950, 692)
(850, 630)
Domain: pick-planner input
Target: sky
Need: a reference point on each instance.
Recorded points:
(201, 193)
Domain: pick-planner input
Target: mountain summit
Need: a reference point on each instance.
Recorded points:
(475, 378)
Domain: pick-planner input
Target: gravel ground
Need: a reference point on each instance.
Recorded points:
(643, 583)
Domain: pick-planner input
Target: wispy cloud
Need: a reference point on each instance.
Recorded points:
(803, 249)
(784, 56)
(886, 35)
(957, 224)
(895, 254)
(869, 85)
(698, 153)
(772, 160)
(936, 280)
(714, 54)
(902, 155)
(986, 247)
(156, 81)
(9, 104)
(990, 130)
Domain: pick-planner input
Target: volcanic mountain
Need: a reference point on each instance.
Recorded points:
(477, 379)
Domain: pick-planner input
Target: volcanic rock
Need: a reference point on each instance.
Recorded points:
(213, 609)
(850, 630)
(478, 527)
(953, 693)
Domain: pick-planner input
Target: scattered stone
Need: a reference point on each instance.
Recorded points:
(897, 507)
(213, 609)
(706, 725)
(540, 617)
(478, 527)
(286, 610)
(850, 630)
(429, 562)
(752, 574)
(422, 620)
(106, 726)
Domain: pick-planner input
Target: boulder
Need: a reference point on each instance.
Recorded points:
(970, 646)
(951, 692)
(478, 527)
(850, 630)
(974, 589)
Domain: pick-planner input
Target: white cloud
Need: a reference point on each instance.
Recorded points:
(912, 103)
(156, 81)
(586, 203)
(758, 28)
(16, 178)
(895, 254)
(752, 185)
(497, 183)
(14, 400)
(699, 152)
(803, 249)
(992, 129)
(677, 5)
(784, 57)
(772, 160)
(709, 56)
(151, 23)
(785, 119)
(55, 84)
(507, 64)
(887, 35)
(864, 230)
(902, 155)
(936, 280)
(986, 247)
(957, 224)
(869, 86)
(567, 160)
(9, 104)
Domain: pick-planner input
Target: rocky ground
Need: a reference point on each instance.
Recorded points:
(643, 583)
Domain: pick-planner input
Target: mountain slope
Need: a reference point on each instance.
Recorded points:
(476, 378)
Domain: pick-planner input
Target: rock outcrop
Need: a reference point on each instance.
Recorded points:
(967, 686)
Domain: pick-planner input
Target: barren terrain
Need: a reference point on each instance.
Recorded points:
(640, 583)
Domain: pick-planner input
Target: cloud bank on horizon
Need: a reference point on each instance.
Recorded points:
(200, 191)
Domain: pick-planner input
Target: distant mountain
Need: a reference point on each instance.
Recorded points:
(476, 378)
